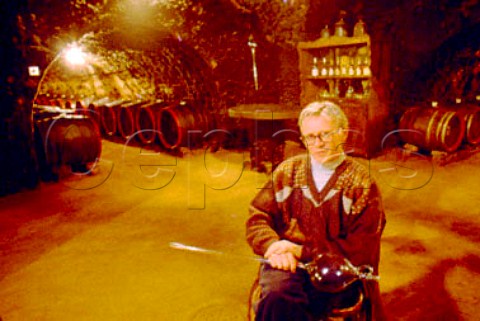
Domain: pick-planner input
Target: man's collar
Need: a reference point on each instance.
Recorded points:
(329, 165)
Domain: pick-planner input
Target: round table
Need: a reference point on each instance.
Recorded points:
(267, 126)
(262, 112)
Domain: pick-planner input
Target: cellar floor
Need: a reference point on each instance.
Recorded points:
(108, 246)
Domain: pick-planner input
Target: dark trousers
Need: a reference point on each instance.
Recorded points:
(284, 295)
(290, 296)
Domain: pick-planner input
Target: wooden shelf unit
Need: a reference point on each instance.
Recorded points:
(344, 77)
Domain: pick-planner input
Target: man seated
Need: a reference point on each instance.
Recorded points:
(319, 202)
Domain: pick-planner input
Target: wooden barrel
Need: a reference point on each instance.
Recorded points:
(471, 115)
(146, 121)
(176, 121)
(108, 116)
(80, 108)
(69, 104)
(67, 139)
(93, 110)
(57, 102)
(126, 118)
(432, 128)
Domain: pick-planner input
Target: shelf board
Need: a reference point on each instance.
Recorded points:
(334, 41)
(349, 100)
(337, 77)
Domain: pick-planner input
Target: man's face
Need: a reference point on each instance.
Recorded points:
(324, 141)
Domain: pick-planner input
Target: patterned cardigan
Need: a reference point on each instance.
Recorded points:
(346, 217)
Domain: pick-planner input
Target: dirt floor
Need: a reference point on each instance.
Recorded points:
(99, 247)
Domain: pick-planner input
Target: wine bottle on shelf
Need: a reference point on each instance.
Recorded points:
(344, 61)
(352, 62)
(315, 71)
(331, 63)
(337, 62)
(358, 63)
(340, 28)
(325, 32)
(360, 28)
(324, 67)
(366, 66)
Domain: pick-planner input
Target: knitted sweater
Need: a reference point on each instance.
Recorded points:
(346, 217)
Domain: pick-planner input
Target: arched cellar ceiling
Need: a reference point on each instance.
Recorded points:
(146, 66)
(456, 68)
(449, 73)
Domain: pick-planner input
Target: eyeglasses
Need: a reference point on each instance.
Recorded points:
(310, 139)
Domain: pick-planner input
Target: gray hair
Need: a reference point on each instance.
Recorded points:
(318, 108)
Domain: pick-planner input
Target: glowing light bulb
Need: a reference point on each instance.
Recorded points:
(75, 56)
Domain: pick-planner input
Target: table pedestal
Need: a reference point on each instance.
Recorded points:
(268, 126)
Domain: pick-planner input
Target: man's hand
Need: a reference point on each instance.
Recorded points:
(283, 255)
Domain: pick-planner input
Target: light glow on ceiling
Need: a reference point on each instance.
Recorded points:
(75, 56)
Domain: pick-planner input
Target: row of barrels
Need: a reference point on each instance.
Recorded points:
(441, 128)
(55, 101)
(72, 136)
(146, 121)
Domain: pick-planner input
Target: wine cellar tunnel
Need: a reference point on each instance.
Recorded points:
(141, 142)
(148, 76)
(416, 59)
